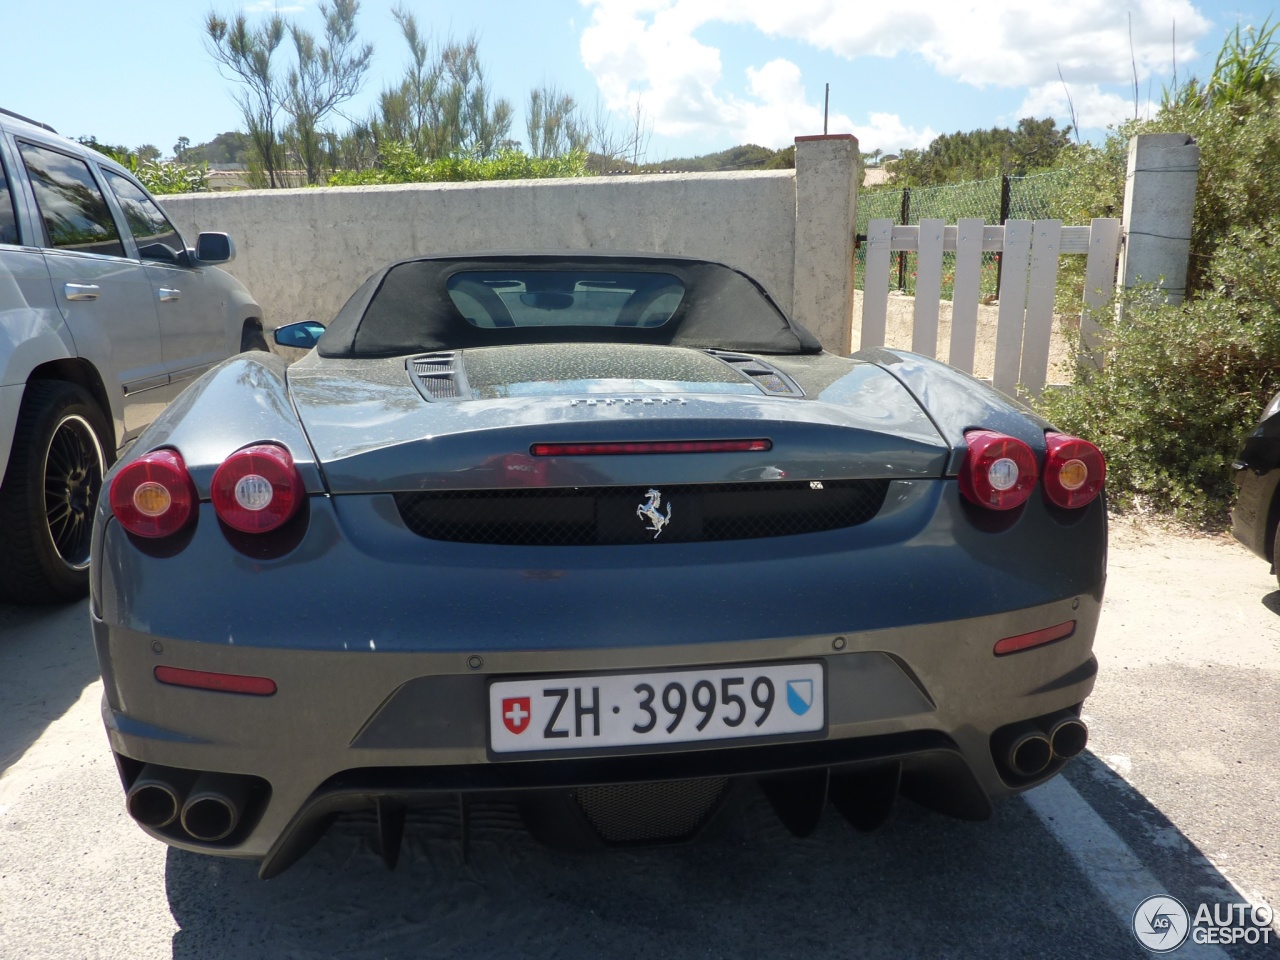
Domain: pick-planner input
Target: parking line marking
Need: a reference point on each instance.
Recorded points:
(1106, 861)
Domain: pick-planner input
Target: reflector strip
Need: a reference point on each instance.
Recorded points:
(224, 682)
(1036, 638)
(614, 448)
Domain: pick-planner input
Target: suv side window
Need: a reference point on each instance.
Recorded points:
(75, 213)
(156, 237)
(8, 218)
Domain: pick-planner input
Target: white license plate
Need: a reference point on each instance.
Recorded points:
(675, 706)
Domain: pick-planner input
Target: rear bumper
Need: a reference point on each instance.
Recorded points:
(1253, 516)
(332, 738)
(382, 650)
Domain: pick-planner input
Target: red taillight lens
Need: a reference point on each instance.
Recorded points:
(615, 448)
(154, 496)
(1074, 471)
(257, 489)
(999, 472)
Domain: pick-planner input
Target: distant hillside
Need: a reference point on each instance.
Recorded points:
(747, 156)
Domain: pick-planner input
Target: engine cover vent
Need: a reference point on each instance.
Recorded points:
(436, 376)
(764, 375)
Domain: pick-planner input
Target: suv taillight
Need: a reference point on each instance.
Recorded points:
(257, 489)
(999, 472)
(154, 496)
(1074, 471)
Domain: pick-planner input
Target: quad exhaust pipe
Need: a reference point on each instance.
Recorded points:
(1027, 749)
(209, 806)
(214, 807)
(1068, 736)
(156, 797)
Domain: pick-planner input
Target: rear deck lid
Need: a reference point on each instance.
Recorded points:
(471, 419)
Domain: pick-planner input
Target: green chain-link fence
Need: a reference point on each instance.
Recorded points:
(993, 201)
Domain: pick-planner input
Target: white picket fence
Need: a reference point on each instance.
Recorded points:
(1029, 274)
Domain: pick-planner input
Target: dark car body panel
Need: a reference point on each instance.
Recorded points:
(399, 441)
(1256, 472)
(922, 561)
(958, 402)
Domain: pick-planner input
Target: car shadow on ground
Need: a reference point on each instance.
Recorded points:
(921, 886)
(1272, 602)
(46, 661)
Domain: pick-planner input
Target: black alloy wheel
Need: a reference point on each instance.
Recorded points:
(73, 469)
(61, 450)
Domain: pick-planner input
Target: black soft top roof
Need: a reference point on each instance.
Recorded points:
(406, 308)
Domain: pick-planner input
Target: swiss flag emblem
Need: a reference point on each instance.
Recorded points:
(516, 713)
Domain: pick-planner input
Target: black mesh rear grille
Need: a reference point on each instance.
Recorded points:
(640, 812)
(585, 516)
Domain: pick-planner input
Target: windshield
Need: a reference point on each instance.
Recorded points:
(564, 298)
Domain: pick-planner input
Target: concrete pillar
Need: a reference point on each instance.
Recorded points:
(1159, 199)
(826, 217)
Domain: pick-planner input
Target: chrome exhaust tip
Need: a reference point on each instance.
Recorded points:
(1026, 750)
(156, 797)
(213, 808)
(1068, 737)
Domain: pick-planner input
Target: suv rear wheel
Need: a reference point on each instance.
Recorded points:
(60, 453)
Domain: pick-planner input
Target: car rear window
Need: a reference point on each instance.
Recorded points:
(562, 298)
(75, 213)
(472, 300)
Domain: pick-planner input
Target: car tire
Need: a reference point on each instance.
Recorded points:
(1275, 553)
(252, 338)
(61, 450)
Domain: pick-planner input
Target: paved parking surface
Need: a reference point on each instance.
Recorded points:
(1179, 794)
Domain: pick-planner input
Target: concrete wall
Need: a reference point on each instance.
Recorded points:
(303, 252)
(1159, 200)
(826, 220)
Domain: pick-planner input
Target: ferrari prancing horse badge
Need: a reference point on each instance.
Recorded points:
(651, 510)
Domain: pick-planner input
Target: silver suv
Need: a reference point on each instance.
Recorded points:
(105, 315)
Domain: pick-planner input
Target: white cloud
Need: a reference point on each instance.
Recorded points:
(648, 48)
(886, 131)
(679, 82)
(1095, 109)
(779, 111)
(1006, 43)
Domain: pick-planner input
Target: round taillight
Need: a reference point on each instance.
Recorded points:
(1074, 471)
(999, 473)
(257, 489)
(153, 496)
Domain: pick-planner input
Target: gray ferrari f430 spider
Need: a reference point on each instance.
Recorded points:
(607, 537)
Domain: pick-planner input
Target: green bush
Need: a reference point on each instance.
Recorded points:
(398, 163)
(1180, 386)
(158, 176)
(161, 176)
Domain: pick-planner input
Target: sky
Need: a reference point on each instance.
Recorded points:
(703, 75)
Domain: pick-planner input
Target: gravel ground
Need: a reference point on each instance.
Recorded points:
(1177, 795)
